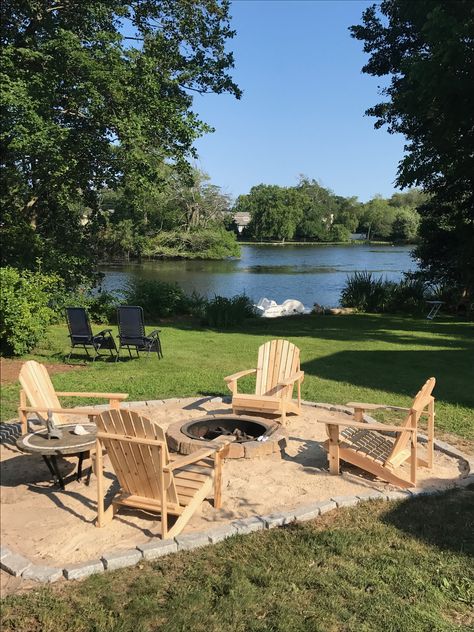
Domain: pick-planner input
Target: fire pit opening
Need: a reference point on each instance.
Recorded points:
(243, 428)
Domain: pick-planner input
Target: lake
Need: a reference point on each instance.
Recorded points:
(311, 274)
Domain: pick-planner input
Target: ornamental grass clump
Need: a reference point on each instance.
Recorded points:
(365, 292)
(222, 312)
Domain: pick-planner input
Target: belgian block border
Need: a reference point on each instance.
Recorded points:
(18, 565)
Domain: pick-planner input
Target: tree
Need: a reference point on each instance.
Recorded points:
(86, 106)
(274, 211)
(405, 225)
(318, 210)
(195, 201)
(427, 49)
(377, 218)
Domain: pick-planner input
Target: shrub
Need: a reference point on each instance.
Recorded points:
(365, 292)
(408, 296)
(25, 308)
(202, 243)
(224, 312)
(157, 298)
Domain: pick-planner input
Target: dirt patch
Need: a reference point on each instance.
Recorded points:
(10, 369)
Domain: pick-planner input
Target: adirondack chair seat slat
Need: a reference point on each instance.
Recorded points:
(277, 373)
(139, 456)
(372, 450)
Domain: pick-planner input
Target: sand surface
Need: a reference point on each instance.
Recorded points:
(57, 527)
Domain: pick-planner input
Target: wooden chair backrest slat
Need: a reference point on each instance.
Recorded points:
(39, 389)
(139, 468)
(420, 402)
(277, 360)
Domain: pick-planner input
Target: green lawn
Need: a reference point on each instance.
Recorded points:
(401, 567)
(361, 357)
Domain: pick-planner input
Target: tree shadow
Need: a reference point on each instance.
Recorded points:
(383, 328)
(444, 520)
(400, 371)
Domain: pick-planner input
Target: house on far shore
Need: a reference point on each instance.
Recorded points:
(242, 220)
(358, 236)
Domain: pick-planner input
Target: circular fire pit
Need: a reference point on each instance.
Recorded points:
(254, 437)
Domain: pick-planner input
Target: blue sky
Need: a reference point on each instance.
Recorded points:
(303, 106)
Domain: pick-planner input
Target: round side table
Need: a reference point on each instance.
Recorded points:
(70, 444)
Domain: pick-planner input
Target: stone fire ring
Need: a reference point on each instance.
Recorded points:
(274, 443)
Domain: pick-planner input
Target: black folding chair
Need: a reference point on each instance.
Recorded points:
(131, 326)
(80, 333)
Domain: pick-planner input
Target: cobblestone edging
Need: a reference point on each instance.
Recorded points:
(18, 565)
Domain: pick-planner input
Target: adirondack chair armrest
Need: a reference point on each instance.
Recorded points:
(365, 406)
(192, 458)
(65, 411)
(219, 444)
(97, 395)
(298, 376)
(364, 426)
(237, 376)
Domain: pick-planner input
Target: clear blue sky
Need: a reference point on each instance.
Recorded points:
(302, 111)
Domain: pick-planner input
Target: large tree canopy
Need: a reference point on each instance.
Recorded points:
(427, 49)
(85, 106)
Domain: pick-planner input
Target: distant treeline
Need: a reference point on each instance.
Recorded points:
(310, 212)
(188, 217)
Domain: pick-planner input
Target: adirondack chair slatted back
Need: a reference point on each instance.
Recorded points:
(131, 323)
(39, 389)
(78, 324)
(277, 360)
(420, 402)
(139, 468)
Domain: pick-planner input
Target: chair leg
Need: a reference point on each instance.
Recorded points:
(218, 481)
(333, 452)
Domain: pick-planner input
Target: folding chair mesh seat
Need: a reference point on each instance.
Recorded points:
(131, 325)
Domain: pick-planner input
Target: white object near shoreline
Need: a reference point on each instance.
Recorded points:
(267, 308)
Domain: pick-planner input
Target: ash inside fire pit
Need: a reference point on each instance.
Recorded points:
(242, 428)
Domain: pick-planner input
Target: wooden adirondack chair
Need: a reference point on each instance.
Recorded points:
(38, 391)
(277, 372)
(148, 479)
(363, 444)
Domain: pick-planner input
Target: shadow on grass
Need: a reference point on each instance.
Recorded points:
(383, 328)
(445, 520)
(401, 371)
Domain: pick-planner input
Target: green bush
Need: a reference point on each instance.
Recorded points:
(157, 298)
(408, 297)
(202, 243)
(25, 308)
(224, 312)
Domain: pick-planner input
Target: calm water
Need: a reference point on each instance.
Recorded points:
(311, 274)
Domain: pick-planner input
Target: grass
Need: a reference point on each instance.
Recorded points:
(374, 358)
(399, 567)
